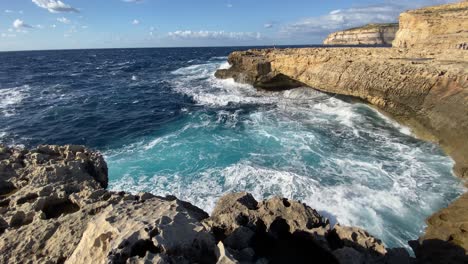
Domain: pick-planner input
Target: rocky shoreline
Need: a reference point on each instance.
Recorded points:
(55, 209)
(422, 81)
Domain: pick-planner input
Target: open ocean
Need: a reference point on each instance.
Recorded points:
(166, 125)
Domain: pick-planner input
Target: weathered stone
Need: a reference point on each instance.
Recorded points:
(438, 27)
(358, 239)
(446, 237)
(371, 34)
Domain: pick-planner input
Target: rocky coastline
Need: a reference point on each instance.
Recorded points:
(422, 81)
(371, 34)
(55, 209)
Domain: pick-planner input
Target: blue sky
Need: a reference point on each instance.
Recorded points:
(70, 24)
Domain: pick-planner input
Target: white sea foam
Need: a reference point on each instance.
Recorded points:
(225, 65)
(11, 97)
(341, 158)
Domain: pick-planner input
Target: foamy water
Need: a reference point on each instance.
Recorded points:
(166, 125)
(344, 159)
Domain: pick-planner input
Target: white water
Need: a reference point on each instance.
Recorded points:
(346, 160)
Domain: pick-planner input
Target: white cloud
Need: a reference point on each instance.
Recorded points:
(9, 11)
(229, 5)
(55, 6)
(19, 24)
(5, 35)
(135, 22)
(84, 27)
(39, 26)
(53, 26)
(132, 1)
(63, 20)
(204, 34)
(268, 25)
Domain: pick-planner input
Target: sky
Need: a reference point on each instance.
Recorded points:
(77, 24)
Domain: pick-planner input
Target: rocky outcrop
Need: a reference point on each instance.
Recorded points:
(55, 209)
(428, 91)
(446, 236)
(279, 230)
(438, 27)
(371, 34)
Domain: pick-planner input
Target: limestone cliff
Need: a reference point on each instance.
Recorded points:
(428, 91)
(439, 27)
(372, 34)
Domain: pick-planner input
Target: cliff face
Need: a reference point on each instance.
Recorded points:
(426, 90)
(372, 34)
(441, 27)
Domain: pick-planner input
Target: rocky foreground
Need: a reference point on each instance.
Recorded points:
(55, 209)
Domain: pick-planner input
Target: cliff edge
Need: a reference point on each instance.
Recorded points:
(438, 27)
(422, 82)
(371, 34)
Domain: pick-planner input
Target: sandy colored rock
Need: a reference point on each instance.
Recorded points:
(434, 28)
(358, 239)
(371, 34)
(142, 229)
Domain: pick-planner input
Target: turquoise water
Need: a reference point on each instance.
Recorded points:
(167, 126)
(345, 159)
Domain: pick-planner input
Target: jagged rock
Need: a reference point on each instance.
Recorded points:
(155, 226)
(234, 211)
(276, 229)
(371, 34)
(54, 200)
(358, 239)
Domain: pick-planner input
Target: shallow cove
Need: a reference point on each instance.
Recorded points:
(166, 125)
(344, 158)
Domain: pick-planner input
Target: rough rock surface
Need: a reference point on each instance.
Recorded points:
(55, 209)
(438, 27)
(372, 34)
(279, 230)
(446, 236)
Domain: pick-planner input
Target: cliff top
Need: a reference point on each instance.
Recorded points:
(457, 7)
(372, 26)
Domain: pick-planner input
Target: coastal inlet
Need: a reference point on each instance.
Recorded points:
(166, 125)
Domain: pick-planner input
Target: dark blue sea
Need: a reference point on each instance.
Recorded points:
(166, 125)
